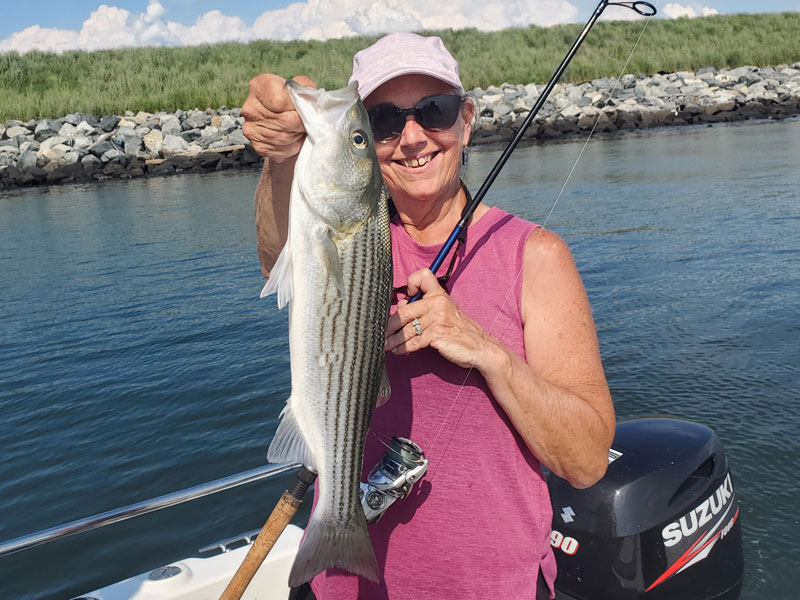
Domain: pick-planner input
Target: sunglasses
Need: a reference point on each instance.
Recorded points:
(435, 113)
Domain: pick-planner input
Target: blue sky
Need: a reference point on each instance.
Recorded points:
(82, 23)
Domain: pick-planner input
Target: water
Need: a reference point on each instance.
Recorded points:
(136, 358)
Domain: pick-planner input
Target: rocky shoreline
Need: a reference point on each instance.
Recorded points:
(81, 147)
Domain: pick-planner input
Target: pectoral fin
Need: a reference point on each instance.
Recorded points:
(331, 258)
(280, 278)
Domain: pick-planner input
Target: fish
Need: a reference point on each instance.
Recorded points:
(335, 273)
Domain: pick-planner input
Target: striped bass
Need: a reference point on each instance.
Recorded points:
(335, 272)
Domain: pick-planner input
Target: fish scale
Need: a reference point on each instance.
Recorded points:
(335, 272)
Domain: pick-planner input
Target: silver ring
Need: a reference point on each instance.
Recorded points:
(417, 328)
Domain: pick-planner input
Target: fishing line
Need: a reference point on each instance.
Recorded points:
(434, 464)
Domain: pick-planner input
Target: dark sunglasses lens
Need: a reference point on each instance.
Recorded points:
(387, 121)
(435, 113)
(438, 112)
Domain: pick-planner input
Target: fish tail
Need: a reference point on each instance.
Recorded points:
(330, 544)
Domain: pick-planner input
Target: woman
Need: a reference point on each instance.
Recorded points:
(493, 375)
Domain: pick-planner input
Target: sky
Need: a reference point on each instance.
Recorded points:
(57, 26)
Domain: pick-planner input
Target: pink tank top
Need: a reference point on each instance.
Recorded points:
(478, 524)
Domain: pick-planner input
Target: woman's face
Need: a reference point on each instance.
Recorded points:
(420, 165)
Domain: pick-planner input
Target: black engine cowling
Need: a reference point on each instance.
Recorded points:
(663, 524)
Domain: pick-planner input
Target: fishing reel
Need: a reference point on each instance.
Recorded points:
(397, 471)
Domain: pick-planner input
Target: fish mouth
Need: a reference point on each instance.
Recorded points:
(418, 161)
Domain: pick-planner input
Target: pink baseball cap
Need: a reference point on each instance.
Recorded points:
(403, 54)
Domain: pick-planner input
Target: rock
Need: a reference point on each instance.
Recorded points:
(571, 111)
(11, 175)
(164, 168)
(8, 155)
(153, 142)
(127, 123)
(229, 124)
(44, 129)
(70, 157)
(170, 126)
(122, 134)
(68, 131)
(73, 119)
(29, 145)
(141, 117)
(250, 157)
(81, 142)
(17, 131)
(237, 137)
(208, 160)
(33, 175)
(191, 135)
(209, 139)
(98, 149)
(142, 130)
(172, 144)
(113, 169)
(719, 107)
(108, 122)
(741, 71)
(111, 155)
(181, 162)
(135, 168)
(52, 141)
(91, 163)
(59, 151)
(132, 146)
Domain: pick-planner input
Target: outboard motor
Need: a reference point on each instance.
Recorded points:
(662, 524)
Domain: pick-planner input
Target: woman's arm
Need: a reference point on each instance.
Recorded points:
(277, 133)
(557, 398)
(272, 210)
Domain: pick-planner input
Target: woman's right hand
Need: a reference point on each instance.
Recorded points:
(271, 121)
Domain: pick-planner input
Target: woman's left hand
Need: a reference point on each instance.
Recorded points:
(443, 325)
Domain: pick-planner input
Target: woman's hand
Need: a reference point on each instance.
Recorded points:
(443, 324)
(271, 121)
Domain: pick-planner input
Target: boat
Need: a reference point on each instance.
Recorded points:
(663, 523)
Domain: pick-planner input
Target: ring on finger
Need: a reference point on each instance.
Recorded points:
(417, 326)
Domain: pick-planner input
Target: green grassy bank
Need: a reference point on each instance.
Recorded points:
(37, 84)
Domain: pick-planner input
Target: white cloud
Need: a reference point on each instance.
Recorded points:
(40, 38)
(324, 19)
(675, 11)
(113, 27)
(620, 13)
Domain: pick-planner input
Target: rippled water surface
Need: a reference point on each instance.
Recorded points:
(136, 358)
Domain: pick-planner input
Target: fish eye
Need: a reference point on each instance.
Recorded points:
(359, 139)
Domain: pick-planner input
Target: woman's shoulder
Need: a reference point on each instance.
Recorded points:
(500, 221)
(546, 245)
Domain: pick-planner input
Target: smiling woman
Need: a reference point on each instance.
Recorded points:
(499, 383)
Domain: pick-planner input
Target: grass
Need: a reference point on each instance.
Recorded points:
(37, 84)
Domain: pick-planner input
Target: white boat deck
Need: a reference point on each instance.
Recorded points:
(206, 578)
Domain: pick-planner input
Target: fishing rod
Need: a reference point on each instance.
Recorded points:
(643, 8)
